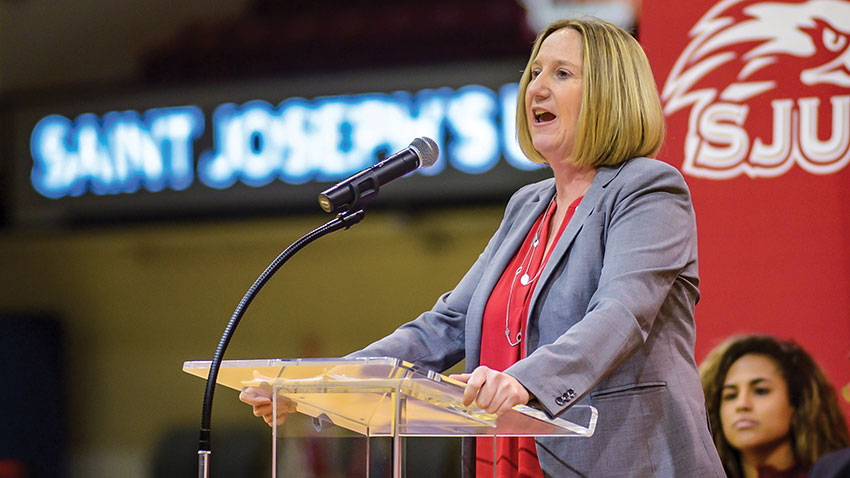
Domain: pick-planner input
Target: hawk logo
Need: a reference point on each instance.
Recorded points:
(768, 86)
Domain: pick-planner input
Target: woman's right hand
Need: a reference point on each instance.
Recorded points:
(261, 401)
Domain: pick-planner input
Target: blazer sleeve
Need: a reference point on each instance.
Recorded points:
(435, 339)
(650, 239)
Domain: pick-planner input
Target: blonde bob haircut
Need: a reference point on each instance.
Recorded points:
(620, 116)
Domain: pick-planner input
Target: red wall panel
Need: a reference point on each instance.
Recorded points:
(757, 99)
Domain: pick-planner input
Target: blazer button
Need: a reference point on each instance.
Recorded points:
(560, 401)
(570, 393)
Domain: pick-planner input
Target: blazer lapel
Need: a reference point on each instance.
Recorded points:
(603, 177)
(523, 220)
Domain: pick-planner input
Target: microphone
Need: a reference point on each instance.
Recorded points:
(355, 191)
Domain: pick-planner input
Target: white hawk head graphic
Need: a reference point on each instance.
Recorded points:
(776, 57)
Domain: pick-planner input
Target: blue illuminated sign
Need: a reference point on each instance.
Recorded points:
(256, 143)
(117, 155)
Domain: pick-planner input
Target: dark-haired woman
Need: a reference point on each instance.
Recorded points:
(772, 410)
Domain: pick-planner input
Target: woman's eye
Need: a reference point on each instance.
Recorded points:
(728, 396)
(563, 74)
(535, 74)
(762, 391)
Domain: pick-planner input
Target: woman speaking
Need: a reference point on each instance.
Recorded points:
(585, 294)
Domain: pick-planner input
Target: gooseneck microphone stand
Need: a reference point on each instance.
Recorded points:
(343, 220)
(351, 194)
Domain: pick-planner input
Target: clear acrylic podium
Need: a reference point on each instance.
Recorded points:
(385, 397)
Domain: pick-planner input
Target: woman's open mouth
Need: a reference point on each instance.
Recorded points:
(543, 116)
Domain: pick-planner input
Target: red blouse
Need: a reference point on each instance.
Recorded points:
(507, 308)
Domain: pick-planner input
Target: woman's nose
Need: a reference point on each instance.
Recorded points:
(743, 402)
(538, 88)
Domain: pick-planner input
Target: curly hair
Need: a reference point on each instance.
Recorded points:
(817, 424)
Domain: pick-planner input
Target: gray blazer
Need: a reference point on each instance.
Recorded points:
(611, 325)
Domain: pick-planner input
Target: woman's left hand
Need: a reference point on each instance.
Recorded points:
(495, 392)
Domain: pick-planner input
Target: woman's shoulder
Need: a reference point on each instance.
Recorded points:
(651, 167)
(832, 465)
(534, 190)
(528, 193)
(646, 173)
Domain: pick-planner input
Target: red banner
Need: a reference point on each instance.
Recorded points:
(757, 100)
